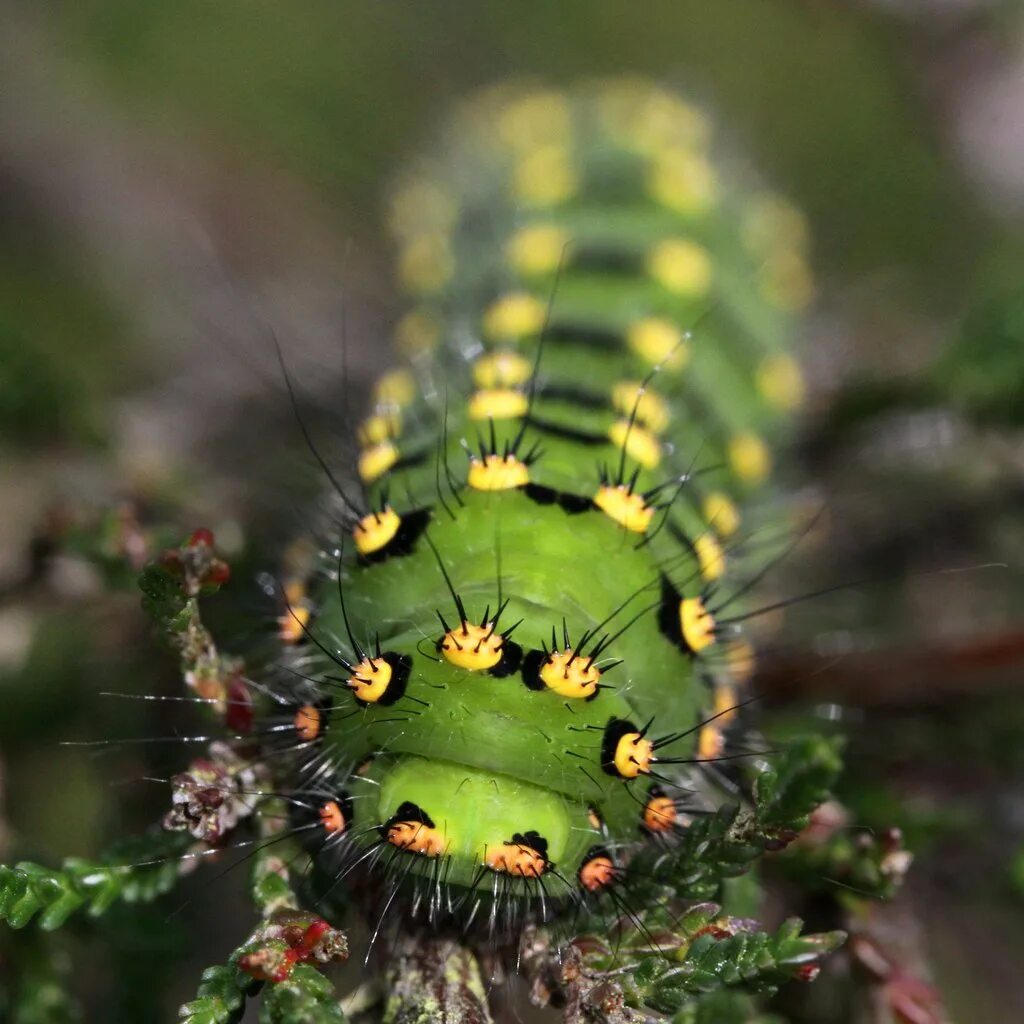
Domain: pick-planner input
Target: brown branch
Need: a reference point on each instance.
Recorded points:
(433, 980)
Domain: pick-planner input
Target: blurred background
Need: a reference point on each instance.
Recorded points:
(179, 180)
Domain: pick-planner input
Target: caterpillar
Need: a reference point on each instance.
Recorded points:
(507, 707)
(519, 651)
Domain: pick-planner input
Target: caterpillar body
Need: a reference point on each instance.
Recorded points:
(513, 668)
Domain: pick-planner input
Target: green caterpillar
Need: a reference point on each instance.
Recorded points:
(517, 664)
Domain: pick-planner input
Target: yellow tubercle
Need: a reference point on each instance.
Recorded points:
(749, 458)
(541, 116)
(417, 837)
(370, 679)
(376, 460)
(681, 266)
(536, 249)
(651, 409)
(568, 675)
(497, 404)
(785, 282)
(425, 263)
(417, 332)
(627, 509)
(741, 659)
(639, 442)
(710, 557)
(513, 316)
(721, 514)
(292, 624)
(780, 382)
(544, 176)
(376, 530)
(682, 180)
(516, 859)
(497, 474)
(633, 755)
(379, 427)
(658, 341)
(396, 388)
(421, 206)
(501, 369)
(471, 646)
(597, 873)
(696, 624)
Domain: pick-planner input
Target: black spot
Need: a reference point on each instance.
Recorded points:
(574, 395)
(668, 615)
(404, 541)
(552, 429)
(531, 669)
(589, 335)
(570, 503)
(511, 657)
(408, 811)
(532, 841)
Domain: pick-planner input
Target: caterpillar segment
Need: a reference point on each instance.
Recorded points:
(599, 367)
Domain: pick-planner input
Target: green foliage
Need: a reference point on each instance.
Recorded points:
(220, 998)
(304, 997)
(754, 962)
(162, 597)
(135, 871)
(725, 844)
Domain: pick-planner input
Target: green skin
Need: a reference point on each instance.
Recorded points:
(485, 757)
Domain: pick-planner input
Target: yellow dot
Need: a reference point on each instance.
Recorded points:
(420, 206)
(696, 624)
(397, 388)
(425, 263)
(640, 443)
(376, 460)
(516, 315)
(647, 118)
(541, 116)
(680, 266)
(568, 675)
(710, 557)
(501, 369)
(497, 404)
(741, 660)
(536, 249)
(721, 514)
(749, 457)
(651, 408)
(682, 180)
(417, 332)
(780, 381)
(658, 341)
(472, 646)
(380, 427)
(376, 530)
(785, 282)
(771, 223)
(633, 755)
(544, 176)
(710, 742)
(370, 679)
(628, 510)
(497, 474)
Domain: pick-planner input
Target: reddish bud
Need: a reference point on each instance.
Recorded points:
(218, 574)
(238, 714)
(202, 536)
(807, 972)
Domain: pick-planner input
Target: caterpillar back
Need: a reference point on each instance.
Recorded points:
(514, 667)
